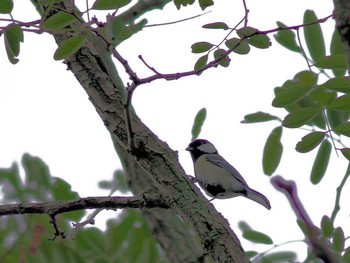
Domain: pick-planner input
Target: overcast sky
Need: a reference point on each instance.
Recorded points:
(45, 112)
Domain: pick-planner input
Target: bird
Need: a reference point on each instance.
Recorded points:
(218, 178)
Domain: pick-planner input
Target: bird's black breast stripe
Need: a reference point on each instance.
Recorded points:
(215, 190)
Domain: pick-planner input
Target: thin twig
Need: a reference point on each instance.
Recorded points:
(330, 131)
(126, 66)
(90, 220)
(129, 130)
(246, 12)
(87, 9)
(336, 208)
(57, 233)
(177, 21)
(136, 81)
(130, 90)
(321, 20)
(215, 62)
(302, 50)
(260, 255)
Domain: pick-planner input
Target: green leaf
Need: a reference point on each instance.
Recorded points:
(216, 25)
(336, 43)
(343, 129)
(318, 97)
(346, 255)
(58, 21)
(337, 48)
(341, 103)
(105, 184)
(253, 38)
(338, 84)
(259, 117)
(291, 94)
(198, 123)
(37, 172)
(61, 190)
(321, 162)
(13, 37)
(287, 38)
(205, 3)
(260, 41)
(109, 4)
(318, 121)
(90, 241)
(346, 153)
(224, 60)
(243, 226)
(326, 226)
(302, 227)
(337, 61)
(272, 151)
(257, 237)
(300, 117)
(119, 182)
(280, 256)
(238, 46)
(201, 63)
(179, 3)
(12, 188)
(306, 77)
(116, 184)
(250, 254)
(6, 6)
(310, 141)
(69, 47)
(335, 118)
(116, 31)
(338, 240)
(201, 47)
(313, 36)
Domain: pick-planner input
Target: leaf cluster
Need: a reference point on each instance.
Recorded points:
(126, 239)
(319, 103)
(323, 107)
(246, 37)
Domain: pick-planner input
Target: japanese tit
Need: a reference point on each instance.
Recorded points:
(217, 177)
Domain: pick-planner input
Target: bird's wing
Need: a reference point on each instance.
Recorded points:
(219, 161)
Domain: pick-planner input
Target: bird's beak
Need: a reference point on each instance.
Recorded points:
(189, 148)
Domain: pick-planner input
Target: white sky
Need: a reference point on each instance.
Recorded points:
(45, 112)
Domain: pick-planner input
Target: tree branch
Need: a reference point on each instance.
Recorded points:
(58, 207)
(89, 65)
(320, 247)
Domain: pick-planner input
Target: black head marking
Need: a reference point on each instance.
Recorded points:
(199, 147)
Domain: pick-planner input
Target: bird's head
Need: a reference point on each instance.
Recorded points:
(199, 147)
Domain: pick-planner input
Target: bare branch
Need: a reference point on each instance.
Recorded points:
(58, 207)
(336, 208)
(320, 247)
(177, 21)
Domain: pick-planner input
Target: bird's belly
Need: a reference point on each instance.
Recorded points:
(214, 180)
(211, 174)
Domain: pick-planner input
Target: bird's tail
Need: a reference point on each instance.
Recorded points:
(259, 198)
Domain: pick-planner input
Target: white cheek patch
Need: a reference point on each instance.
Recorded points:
(207, 148)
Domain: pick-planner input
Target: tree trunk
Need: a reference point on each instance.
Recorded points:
(97, 75)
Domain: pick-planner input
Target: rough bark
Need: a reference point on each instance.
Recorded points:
(342, 22)
(91, 67)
